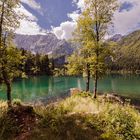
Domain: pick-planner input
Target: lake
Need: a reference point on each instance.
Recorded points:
(43, 87)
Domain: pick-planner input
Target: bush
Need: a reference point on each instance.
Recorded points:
(78, 117)
(6, 123)
(123, 122)
(110, 121)
(17, 102)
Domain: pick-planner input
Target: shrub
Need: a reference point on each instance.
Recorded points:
(17, 102)
(123, 122)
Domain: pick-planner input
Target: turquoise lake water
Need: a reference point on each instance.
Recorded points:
(40, 87)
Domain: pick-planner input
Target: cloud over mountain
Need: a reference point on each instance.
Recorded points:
(29, 24)
(65, 30)
(59, 17)
(127, 19)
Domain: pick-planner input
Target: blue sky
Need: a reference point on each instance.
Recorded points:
(58, 16)
(51, 12)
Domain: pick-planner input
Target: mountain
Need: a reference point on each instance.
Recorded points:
(116, 38)
(131, 40)
(126, 48)
(43, 44)
(127, 52)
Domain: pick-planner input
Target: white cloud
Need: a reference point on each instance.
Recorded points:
(65, 30)
(74, 15)
(30, 28)
(79, 3)
(127, 21)
(28, 25)
(124, 21)
(32, 3)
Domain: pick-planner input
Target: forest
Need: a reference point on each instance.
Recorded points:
(83, 113)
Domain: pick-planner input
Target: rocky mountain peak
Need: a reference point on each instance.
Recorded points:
(43, 44)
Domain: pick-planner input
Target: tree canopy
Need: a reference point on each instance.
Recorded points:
(92, 26)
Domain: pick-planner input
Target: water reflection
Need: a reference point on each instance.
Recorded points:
(44, 86)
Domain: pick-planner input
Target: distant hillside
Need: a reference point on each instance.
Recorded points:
(116, 38)
(127, 52)
(131, 40)
(127, 48)
(43, 44)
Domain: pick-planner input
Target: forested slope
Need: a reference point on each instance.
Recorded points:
(127, 52)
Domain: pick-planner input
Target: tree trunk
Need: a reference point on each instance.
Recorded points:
(88, 79)
(8, 86)
(1, 21)
(9, 100)
(95, 84)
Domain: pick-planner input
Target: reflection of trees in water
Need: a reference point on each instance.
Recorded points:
(44, 86)
(2, 91)
(127, 85)
(50, 85)
(113, 86)
(31, 88)
(79, 83)
(23, 89)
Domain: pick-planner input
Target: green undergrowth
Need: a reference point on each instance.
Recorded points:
(80, 117)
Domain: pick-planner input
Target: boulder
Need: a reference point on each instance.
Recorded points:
(74, 91)
(113, 98)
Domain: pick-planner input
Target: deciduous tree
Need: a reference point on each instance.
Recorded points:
(9, 56)
(92, 26)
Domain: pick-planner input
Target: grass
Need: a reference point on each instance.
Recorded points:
(79, 117)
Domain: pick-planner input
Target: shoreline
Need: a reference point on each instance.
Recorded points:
(78, 114)
(113, 98)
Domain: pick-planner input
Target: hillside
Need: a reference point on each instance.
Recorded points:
(126, 48)
(127, 52)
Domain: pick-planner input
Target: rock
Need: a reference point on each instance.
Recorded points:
(74, 91)
(113, 98)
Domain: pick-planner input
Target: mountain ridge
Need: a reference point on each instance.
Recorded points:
(127, 52)
(43, 44)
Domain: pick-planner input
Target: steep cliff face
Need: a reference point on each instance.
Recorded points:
(43, 44)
